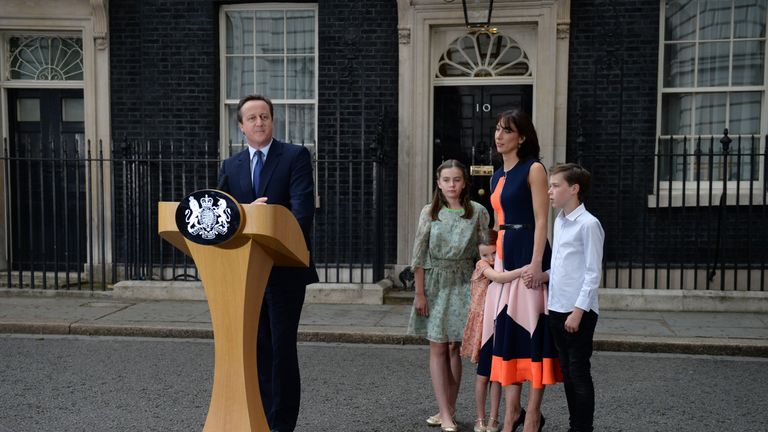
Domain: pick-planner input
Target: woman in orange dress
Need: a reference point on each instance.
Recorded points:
(517, 345)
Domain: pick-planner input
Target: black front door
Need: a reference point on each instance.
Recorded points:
(465, 122)
(47, 179)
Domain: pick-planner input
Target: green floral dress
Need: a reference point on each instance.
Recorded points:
(447, 250)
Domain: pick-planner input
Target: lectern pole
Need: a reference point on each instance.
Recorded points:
(234, 279)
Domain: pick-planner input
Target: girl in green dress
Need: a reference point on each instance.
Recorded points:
(444, 256)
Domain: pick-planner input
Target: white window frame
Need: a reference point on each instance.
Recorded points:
(225, 121)
(678, 193)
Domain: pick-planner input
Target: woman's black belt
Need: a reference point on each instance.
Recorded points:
(515, 226)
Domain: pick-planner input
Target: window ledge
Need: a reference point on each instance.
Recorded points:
(674, 198)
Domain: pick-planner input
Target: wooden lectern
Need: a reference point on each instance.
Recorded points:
(234, 276)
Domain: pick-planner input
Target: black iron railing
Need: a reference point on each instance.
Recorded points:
(82, 216)
(689, 217)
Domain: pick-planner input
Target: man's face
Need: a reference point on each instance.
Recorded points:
(257, 123)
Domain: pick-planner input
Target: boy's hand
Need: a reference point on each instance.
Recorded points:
(420, 304)
(573, 320)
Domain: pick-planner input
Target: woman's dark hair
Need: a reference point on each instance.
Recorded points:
(529, 148)
(439, 201)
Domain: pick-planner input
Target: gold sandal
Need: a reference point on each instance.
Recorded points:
(434, 420)
(480, 425)
(492, 421)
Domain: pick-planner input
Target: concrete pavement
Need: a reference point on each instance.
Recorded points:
(715, 333)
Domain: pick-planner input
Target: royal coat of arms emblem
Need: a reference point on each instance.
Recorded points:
(205, 219)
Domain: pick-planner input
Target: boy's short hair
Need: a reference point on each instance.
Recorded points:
(575, 174)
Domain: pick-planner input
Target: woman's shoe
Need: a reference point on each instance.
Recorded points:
(541, 425)
(434, 420)
(492, 425)
(520, 420)
(452, 428)
(480, 425)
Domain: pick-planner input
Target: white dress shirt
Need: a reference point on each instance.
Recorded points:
(577, 261)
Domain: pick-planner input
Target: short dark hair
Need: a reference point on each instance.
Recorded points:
(575, 174)
(249, 98)
(529, 148)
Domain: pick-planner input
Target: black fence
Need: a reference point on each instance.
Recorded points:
(80, 216)
(689, 217)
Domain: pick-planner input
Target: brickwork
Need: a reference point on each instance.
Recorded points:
(164, 71)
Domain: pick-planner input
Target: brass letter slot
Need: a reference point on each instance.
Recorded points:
(481, 170)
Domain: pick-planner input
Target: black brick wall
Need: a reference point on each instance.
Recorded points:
(612, 129)
(358, 93)
(164, 67)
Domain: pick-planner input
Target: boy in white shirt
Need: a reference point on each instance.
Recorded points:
(577, 257)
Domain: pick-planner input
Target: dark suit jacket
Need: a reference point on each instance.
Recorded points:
(286, 180)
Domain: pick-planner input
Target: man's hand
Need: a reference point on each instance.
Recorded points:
(262, 200)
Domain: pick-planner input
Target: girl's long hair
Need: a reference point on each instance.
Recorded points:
(439, 201)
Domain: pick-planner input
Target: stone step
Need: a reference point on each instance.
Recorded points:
(399, 297)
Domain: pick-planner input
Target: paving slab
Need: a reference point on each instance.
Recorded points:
(721, 333)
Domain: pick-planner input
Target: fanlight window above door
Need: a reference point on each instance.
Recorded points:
(483, 55)
(45, 58)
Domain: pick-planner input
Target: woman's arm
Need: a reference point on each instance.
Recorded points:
(537, 179)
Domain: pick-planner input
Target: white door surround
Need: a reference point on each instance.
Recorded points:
(425, 29)
(88, 19)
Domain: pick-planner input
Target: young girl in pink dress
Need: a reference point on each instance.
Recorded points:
(473, 331)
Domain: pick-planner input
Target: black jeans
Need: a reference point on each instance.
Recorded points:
(575, 351)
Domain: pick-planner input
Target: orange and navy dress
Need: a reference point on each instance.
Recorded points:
(517, 344)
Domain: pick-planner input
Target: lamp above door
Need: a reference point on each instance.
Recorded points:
(477, 15)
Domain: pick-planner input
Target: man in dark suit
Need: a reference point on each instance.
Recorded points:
(274, 172)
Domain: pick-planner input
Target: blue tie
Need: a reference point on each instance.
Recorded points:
(258, 164)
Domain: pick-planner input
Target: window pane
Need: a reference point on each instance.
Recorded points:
(236, 137)
(72, 110)
(680, 21)
(28, 110)
(269, 32)
(710, 113)
(748, 62)
(301, 77)
(46, 58)
(278, 122)
(675, 157)
(715, 19)
(301, 127)
(713, 64)
(270, 77)
(749, 17)
(745, 113)
(239, 32)
(678, 65)
(239, 77)
(676, 114)
(300, 32)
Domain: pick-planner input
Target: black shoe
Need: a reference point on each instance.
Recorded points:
(541, 425)
(520, 420)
